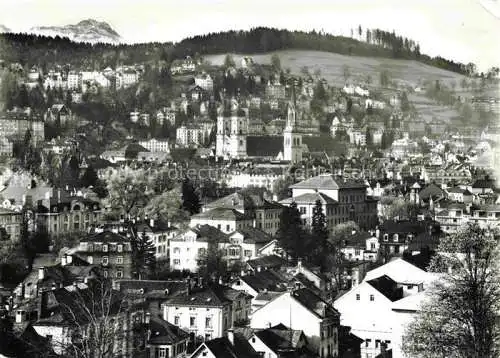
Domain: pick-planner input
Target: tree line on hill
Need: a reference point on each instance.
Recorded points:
(45, 51)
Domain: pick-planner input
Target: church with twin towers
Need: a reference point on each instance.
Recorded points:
(234, 142)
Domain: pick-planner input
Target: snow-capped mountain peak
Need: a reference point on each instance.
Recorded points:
(4, 28)
(88, 30)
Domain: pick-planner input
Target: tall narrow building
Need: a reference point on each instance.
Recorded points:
(232, 129)
(292, 139)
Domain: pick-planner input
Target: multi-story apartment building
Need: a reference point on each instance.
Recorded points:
(205, 81)
(62, 214)
(156, 145)
(159, 233)
(342, 200)
(190, 135)
(265, 212)
(227, 220)
(486, 215)
(207, 312)
(73, 80)
(113, 252)
(14, 125)
(276, 90)
(189, 248)
(261, 177)
(10, 221)
(6, 148)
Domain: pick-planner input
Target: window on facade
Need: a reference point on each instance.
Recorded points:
(177, 250)
(228, 228)
(192, 321)
(177, 262)
(367, 342)
(176, 320)
(119, 274)
(208, 322)
(358, 297)
(248, 253)
(105, 260)
(119, 260)
(90, 260)
(372, 298)
(162, 353)
(104, 248)
(302, 209)
(119, 248)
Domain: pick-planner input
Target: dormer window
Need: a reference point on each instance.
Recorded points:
(386, 237)
(395, 238)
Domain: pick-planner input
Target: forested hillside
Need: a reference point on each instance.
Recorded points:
(45, 51)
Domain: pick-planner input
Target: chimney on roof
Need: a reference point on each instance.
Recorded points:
(259, 268)
(254, 223)
(230, 336)
(168, 223)
(152, 222)
(41, 273)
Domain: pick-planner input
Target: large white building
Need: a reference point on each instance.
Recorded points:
(156, 145)
(190, 135)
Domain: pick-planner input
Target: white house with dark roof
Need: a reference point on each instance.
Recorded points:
(303, 310)
(207, 312)
(342, 200)
(165, 340)
(367, 309)
(227, 220)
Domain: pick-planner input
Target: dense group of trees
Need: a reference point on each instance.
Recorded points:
(45, 51)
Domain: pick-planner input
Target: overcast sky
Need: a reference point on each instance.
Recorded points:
(463, 30)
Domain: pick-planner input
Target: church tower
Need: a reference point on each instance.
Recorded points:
(292, 140)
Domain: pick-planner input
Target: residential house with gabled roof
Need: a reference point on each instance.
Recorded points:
(261, 281)
(280, 342)
(160, 233)
(165, 340)
(367, 309)
(266, 263)
(234, 345)
(395, 236)
(207, 312)
(189, 246)
(225, 219)
(265, 212)
(303, 310)
(343, 200)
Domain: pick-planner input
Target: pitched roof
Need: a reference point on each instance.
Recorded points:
(267, 280)
(328, 182)
(205, 233)
(309, 198)
(222, 348)
(388, 287)
(279, 338)
(163, 332)
(221, 214)
(254, 235)
(264, 146)
(105, 236)
(210, 296)
(314, 303)
(269, 261)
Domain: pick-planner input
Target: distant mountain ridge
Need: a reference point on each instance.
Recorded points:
(4, 28)
(88, 30)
